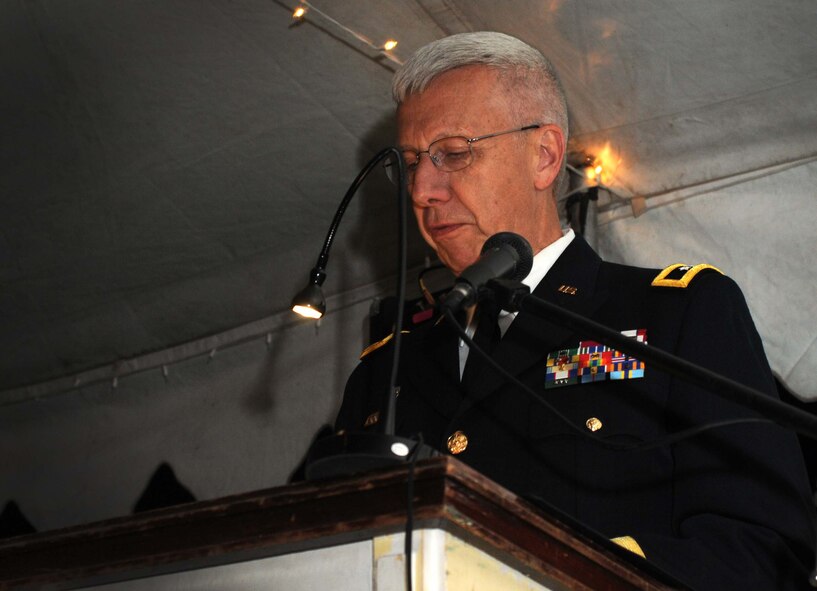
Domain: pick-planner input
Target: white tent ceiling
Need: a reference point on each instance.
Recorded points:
(169, 167)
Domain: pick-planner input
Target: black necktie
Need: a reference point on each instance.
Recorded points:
(486, 337)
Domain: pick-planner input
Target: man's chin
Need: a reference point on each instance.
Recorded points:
(456, 264)
(457, 253)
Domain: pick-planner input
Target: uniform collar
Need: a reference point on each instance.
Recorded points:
(546, 258)
(542, 263)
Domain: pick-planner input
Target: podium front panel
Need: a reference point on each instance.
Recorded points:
(440, 562)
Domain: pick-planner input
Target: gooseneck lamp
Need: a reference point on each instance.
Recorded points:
(346, 453)
(310, 302)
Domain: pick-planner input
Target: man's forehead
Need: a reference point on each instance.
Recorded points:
(453, 76)
(461, 102)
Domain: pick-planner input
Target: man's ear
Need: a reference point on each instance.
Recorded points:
(551, 152)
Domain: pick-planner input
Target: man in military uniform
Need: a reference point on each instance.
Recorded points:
(483, 125)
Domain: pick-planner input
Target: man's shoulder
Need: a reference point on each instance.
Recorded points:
(414, 325)
(677, 278)
(668, 294)
(581, 264)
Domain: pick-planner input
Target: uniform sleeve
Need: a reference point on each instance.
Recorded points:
(742, 515)
(364, 395)
(355, 400)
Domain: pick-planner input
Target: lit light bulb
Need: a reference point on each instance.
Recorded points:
(400, 449)
(390, 44)
(299, 13)
(307, 312)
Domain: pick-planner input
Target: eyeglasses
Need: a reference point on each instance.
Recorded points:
(448, 154)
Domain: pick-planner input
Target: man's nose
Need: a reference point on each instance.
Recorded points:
(430, 184)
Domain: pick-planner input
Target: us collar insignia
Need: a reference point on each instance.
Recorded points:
(593, 362)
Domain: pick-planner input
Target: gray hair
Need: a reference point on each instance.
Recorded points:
(526, 72)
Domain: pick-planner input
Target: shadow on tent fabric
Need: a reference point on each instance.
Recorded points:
(13, 523)
(163, 490)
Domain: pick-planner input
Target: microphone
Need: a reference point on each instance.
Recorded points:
(504, 256)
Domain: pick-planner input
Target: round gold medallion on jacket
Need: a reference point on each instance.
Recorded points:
(593, 424)
(457, 442)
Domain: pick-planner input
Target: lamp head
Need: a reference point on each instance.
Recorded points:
(309, 302)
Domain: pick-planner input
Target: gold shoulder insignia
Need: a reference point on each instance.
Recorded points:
(680, 275)
(629, 543)
(375, 346)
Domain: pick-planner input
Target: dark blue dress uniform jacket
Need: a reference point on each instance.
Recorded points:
(726, 509)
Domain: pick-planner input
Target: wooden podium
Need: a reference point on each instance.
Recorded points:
(342, 534)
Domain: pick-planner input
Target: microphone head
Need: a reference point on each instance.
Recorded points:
(522, 248)
(504, 256)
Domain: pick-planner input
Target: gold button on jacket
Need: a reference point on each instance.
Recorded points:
(593, 424)
(457, 442)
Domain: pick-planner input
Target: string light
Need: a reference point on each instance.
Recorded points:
(606, 163)
(596, 167)
(300, 14)
(592, 172)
